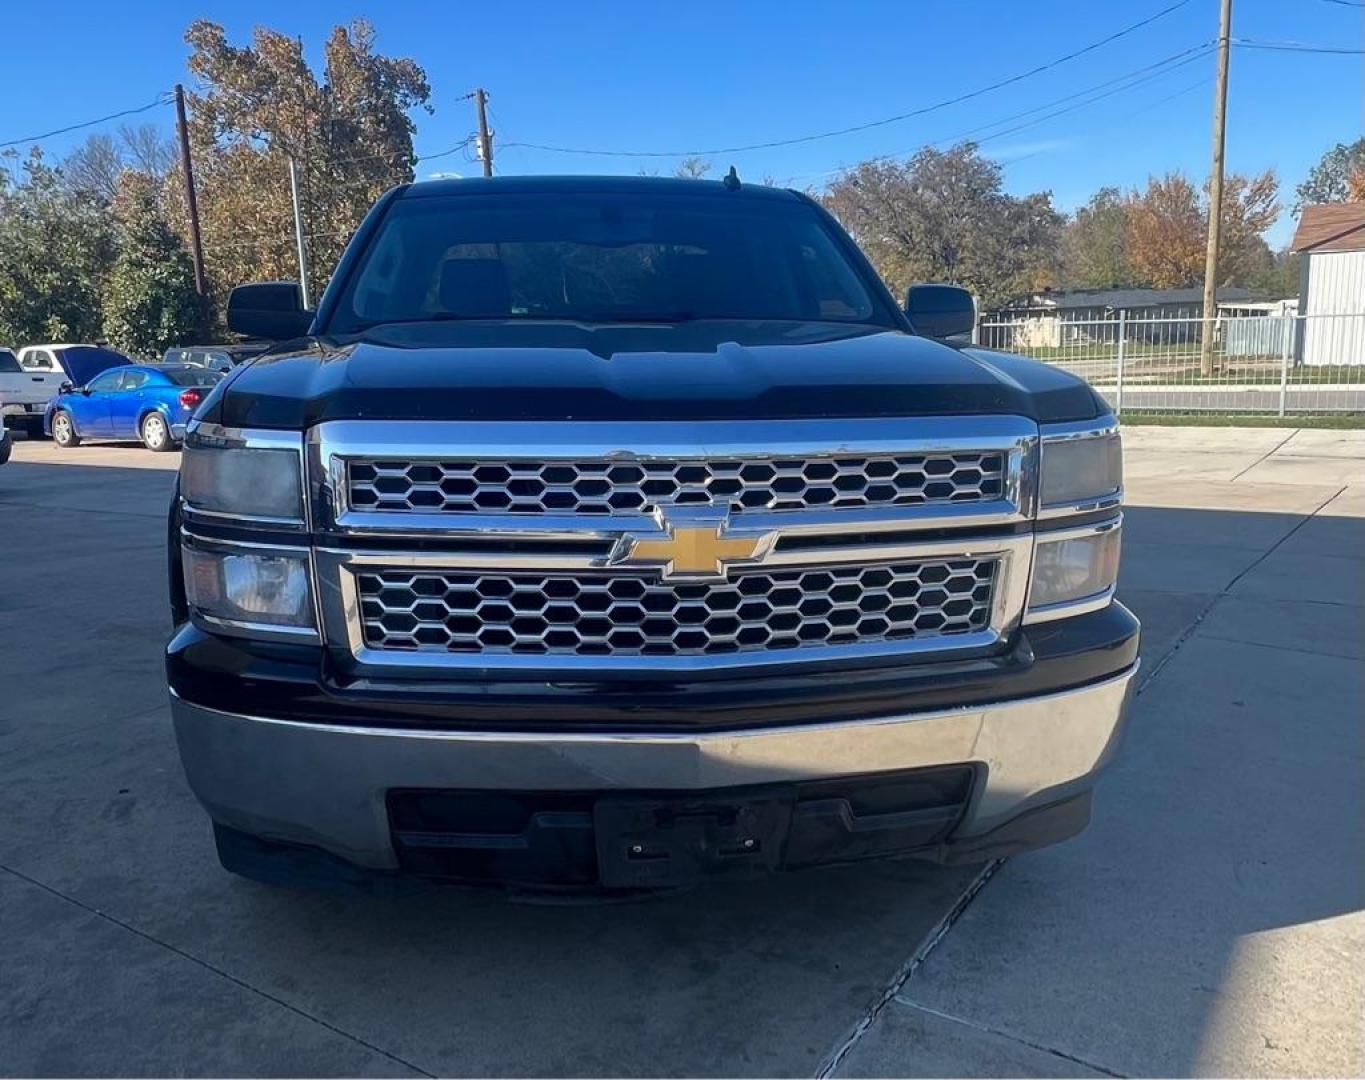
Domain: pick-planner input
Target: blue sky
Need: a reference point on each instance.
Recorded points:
(638, 76)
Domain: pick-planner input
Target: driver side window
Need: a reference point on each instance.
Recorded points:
(105, 382)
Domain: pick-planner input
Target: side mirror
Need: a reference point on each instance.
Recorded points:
(269, 309)
(67, 387)
(940, 311)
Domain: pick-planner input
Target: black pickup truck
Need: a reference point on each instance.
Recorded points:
(602, 533)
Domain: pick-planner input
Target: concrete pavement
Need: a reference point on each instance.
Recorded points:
(1207, 922)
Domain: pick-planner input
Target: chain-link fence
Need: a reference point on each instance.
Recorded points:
(1262, 365)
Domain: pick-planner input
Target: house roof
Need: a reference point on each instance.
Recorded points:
(1331, 227)
(1127, 298)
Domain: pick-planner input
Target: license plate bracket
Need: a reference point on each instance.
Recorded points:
(645, 842)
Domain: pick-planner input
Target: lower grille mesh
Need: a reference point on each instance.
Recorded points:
(593, 613)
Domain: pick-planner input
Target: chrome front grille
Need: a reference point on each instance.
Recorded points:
(606, 547)
(641, 485)
(602, 614)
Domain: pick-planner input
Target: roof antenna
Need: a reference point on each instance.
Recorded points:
(731, 180)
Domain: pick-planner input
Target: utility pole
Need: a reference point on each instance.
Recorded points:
(298, 231)
(485, 138)
(196, 243)
(1220, 117)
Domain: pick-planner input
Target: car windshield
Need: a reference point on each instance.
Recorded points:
(189, 376)
(9, 363)
(598, 257)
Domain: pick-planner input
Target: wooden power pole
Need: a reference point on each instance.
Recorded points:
(1220, 117)
(485, 139)
(196, 244)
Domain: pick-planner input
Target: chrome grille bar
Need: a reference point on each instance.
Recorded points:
(737, 485)
(603, 614)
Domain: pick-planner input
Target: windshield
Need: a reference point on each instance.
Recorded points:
(596, 257)
(9, 363)
(192, 376)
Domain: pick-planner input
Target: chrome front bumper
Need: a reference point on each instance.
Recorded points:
(325, 785)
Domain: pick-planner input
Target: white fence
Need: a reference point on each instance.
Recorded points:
(1269, 365)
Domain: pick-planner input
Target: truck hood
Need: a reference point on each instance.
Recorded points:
(704, 370)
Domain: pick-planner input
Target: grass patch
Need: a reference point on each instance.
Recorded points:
(1332, 421)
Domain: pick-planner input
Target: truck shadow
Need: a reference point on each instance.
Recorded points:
(1144, 916)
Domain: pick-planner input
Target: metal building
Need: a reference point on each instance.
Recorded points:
(1331, 241)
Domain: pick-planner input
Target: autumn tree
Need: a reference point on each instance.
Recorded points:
(1167, 226)
(150, 302)
(1095, 243)
(1330, 180)
(56, 246)
(256, 106)
(1250, 206)
(1166, 232)
(944, 216)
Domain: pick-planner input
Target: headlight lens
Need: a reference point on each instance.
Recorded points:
(1074, 568)
(1083, 469)
(246, 587)
(249, 482)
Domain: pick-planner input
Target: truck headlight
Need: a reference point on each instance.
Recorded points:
(1079, 468)
(1073, 568)
(246, 588)
(220, 475)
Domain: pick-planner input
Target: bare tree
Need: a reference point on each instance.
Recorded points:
(148, 149)
(95, 167)
(693, 168)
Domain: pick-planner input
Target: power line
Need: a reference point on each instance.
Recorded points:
(873, 123)
(1135, 112)
(1348, 3)
(1293, 46)
(163, 98)
(1131, 79)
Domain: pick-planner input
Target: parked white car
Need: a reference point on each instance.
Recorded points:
(33, 378)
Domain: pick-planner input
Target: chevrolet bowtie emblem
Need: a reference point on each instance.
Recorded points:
(693, 548)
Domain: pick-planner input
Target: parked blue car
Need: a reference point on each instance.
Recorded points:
(151, 402)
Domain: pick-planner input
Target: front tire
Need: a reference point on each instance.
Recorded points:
(64, 430)
(156, 433)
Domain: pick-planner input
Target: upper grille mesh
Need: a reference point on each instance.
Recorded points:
(639, 486)
(595, 613)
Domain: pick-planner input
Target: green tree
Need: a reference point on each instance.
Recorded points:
(56, 246)
(944, 216)
(149, 302)
(1095, 243)
(259, 105)
(1278, 276)
(1330, 179)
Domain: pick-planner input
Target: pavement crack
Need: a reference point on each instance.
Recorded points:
(1189, 631)
(152, 939)
(988, 1030)
(1267, 454)
(936, 934)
